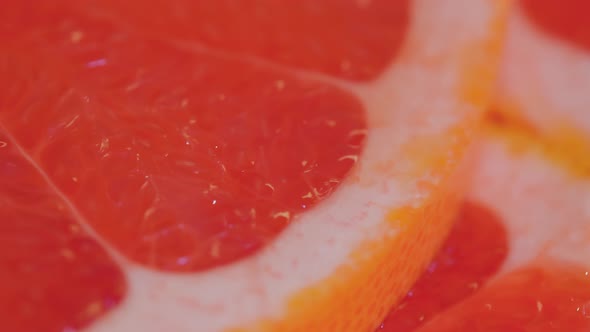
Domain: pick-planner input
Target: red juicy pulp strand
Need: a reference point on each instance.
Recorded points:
(474, 251)
(567, 20)
(351, 39)
(181, 160)
(53, 276)
(552, 297)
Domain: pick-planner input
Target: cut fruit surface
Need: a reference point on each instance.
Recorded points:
(544, 283)
(350, 39)
(545, 73)
(474, 251)
(545, 206)
(53, 275)
(567, 21)
(183, 178)
(178, 153)
(533, 173)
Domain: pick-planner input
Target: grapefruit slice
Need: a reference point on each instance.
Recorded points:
(532, 174)
(242, 186)
(472, 254)
(544, 285)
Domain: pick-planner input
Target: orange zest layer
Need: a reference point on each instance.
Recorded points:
(564, 145)
(358, 296)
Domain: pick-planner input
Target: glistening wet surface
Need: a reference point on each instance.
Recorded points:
(177, 150)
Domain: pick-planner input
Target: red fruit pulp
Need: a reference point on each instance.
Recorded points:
(550, 296)
(53, 275)
(473, 252)
(566, 20)
(172, 143)
(181, 160)
(553, 297)
(351, 39)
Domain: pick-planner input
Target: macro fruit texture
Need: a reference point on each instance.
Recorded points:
(200, 168)
(533, 175)
(521, 262)
(240, 166)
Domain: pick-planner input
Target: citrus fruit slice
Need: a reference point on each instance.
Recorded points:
(46, 255)
(544, 285)
(472, 254)
(541, 209)
(239, 178)
(532, 174)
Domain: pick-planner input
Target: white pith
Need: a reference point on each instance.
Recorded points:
(545, 78)
(545, 210)
(417, 97)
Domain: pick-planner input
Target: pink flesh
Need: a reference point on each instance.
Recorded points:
(474, 251)
(181, 160)
(53, 275)
(179, 157)
(350, 39)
